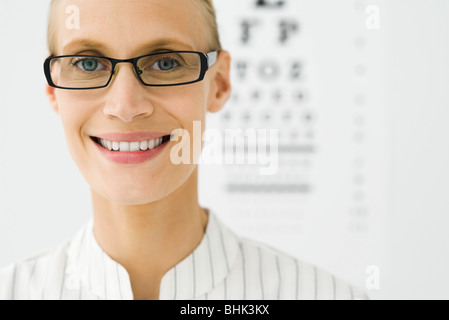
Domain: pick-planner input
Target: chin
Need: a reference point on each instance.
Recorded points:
(133, 190)
(129, 190)
(133, 197)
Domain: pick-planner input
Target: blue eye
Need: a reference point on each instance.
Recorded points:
(165, 65)
(89, 65)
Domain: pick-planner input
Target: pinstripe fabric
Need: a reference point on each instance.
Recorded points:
(222, 267)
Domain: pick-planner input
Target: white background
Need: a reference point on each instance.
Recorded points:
(44, 200)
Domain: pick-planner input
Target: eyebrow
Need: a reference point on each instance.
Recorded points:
(78, 45)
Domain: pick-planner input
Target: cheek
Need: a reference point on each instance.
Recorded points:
(186, 103)
(74, 113)
(189, 107)
(73, 109)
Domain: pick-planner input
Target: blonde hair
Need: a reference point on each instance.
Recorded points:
(206, 7)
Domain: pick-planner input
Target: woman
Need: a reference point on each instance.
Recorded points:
(124, 80)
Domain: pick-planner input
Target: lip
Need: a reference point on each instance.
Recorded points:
(130, 158)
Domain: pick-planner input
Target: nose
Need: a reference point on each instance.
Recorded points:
(127, 99)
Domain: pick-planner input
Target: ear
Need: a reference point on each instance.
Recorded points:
(220, 83)
(50, 92)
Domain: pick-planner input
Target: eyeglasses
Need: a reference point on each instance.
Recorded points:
(173, 68)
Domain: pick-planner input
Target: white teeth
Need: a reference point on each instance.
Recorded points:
(115, 146)
(124, 146)
(134, 146)
(144, 145)
(151, 144)
(130, 146)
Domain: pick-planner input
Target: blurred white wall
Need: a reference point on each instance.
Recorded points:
(418, 241)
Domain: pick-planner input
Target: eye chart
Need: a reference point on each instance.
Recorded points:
(315, 71)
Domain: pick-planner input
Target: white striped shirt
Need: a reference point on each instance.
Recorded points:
(223, 267)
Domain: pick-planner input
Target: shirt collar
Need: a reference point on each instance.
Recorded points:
(195, 276)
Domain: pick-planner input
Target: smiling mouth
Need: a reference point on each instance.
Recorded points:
(121, 146)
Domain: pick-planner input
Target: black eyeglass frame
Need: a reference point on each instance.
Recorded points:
(207, 61)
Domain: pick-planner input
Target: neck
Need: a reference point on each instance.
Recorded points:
(148, 240)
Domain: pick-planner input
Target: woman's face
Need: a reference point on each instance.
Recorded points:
(128, 111)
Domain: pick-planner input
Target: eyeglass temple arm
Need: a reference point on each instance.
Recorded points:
(211, 58)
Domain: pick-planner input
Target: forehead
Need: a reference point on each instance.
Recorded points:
(122, 28)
